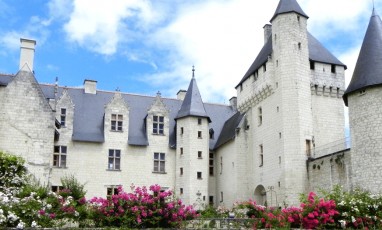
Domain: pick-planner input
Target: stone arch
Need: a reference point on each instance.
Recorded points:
(260, 195)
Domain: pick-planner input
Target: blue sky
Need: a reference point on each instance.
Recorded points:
(143, 46)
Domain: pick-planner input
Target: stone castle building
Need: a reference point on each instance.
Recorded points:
(281, 136)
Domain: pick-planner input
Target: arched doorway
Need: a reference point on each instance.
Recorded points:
(260, 195)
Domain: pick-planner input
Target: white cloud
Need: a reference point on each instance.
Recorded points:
(101, 25)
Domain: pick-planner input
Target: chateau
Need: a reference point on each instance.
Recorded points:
(281, 136)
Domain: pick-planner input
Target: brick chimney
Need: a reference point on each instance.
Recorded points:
(27, 48)
(90, 86)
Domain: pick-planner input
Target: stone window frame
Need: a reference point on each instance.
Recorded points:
(116, 122)
(159, 165)
(114, 160)
(111, 190)
(60, 156)
(63, 117)
(158, 125)
(56, 188)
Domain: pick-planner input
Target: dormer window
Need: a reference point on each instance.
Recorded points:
(199, 121)
(116, 122)
(264, 67)
(158, 125)
(311, 63)
(212, 133)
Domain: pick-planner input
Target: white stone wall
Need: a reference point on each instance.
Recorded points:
(329, 171)
(27, 124)
(190, 162)
(365, 123)
(327, 105)
(88, 162)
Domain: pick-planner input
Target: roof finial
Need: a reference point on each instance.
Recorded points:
(193, 71)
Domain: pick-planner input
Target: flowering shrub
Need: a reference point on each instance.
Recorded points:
(141, 208)
(358, 209)
(318, 213)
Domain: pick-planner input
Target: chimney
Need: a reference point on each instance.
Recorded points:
(27, 53)
(233, 103)
(181, 94)
(90, 86)
(267, 32)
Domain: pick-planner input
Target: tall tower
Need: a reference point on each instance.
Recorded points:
(192, 151)
(363, 97)
(292, 74)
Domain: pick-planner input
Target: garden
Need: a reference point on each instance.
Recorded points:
(25, 203)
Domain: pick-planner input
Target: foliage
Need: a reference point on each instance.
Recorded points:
(358, 209)
(12, 172)
(141, 208)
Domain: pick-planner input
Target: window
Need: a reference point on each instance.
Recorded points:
(199, 134)
(56, 188)
(199, 121)
(221, 165)
(116, 122)
(181, 151)
(261, 155)
(280, 135)
(212, 132)
(260, 118)
(264, 67)
(181, 191)
(159, 162)
(308, 148)
(158, 124)
(199, 175)
(63, 117)
(181, 171)
(59, 156)
(312, 65)
(221, 196)
(299, 45)
(181, 130)
(211, 164)
(114, 159)
(211, 200)
(199, 154)
(333, 68)
(110, 191)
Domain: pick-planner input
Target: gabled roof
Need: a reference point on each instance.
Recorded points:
(287, 6)
(368, 70)
(89, 110)
(317, 52)
(192, 104)
(229, 129)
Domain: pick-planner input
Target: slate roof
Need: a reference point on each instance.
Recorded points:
(5, 79)
(89, 115)
(229, 129)
(287, 6)
(317, 52)
(368, 70)
(192, 104)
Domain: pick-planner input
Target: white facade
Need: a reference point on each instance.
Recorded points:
(289, 106)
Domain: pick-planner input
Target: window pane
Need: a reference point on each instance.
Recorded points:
(117, 153)
(117, 163)
(63, 111)
(55, 160)
(63, 161)
(156, 166)
(111, 153)
(113, 116)
(156, 156)
(161, 119)
(56, 149)
(162, 156)
(155, 118)
(120, 117)
(109, 191)
(113, 125)
(63, 149)
(119, 125)
(162, 166)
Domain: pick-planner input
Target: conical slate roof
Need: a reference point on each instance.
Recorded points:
(192, 104)
(287, 6)
(368, 70)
